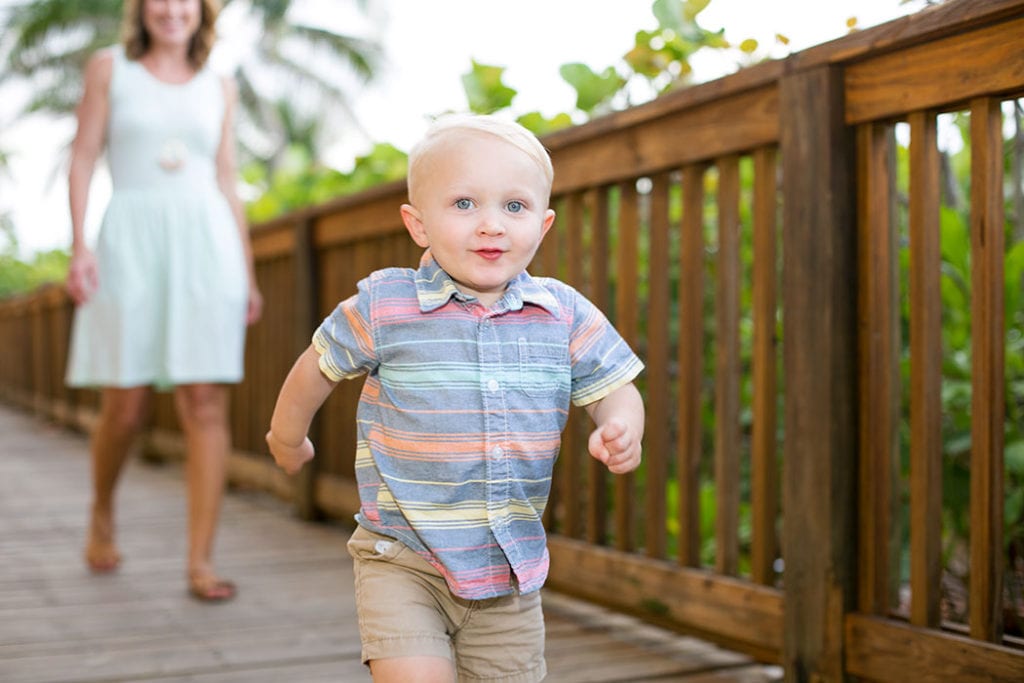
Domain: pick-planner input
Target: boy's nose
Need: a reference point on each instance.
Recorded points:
(491, 223)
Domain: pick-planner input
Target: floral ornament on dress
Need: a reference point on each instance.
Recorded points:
(172, 155)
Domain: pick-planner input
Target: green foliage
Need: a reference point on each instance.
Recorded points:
(485, 91)
(17, 275)
(539, 124)
(662, 56)
(297, 183)
(957, 371)
(592, 90)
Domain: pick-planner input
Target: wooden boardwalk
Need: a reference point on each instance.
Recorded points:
(294, 618)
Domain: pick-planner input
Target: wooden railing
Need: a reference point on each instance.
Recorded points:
(655, 226)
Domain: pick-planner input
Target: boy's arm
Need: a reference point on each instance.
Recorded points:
(303, 392)
(619, 417)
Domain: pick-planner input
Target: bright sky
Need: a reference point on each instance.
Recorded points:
(427, 53)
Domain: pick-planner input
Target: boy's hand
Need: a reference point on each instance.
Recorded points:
(290, 458)
(616, 445)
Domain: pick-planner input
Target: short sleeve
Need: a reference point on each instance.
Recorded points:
(345, 340)
(601, 359)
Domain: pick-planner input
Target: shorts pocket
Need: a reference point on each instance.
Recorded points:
(368, 545)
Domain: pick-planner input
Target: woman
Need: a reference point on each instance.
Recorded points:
(164, 300)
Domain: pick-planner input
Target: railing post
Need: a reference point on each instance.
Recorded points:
(819, 332)
(306, 311)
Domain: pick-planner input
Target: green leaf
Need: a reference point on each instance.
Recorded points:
(691, 8)
(485, 92)
(1014, 453)
(592, 89)
(669, 14)
(536, 123)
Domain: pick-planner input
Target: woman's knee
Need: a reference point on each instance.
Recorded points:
(125, 410)
(202, 405)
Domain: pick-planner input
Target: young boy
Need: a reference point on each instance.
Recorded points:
(471, 365)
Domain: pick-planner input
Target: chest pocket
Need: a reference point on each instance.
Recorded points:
(544, 369)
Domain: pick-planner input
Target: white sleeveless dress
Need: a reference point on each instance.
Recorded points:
(170, 308)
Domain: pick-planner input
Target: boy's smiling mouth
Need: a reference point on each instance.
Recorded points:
(489, 253)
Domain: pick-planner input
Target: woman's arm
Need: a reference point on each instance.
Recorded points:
(226, 179)
(93, 112)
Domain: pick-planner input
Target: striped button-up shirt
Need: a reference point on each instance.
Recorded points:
(461, 414)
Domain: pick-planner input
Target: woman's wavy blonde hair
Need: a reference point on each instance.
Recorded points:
(137, 41)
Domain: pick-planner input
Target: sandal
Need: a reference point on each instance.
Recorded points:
(207, 587)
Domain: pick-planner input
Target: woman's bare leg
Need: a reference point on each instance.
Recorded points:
(122, 413)
(203, 413)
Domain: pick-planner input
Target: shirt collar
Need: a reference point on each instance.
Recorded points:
(434, 288)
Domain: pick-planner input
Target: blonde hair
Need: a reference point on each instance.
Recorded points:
(509, 131)
(137, 41)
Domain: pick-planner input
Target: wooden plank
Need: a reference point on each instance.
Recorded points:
(733, 124)
(305, 285)
(691, 344)
(373, 219)
(764, 478)
(938, 74)
(271, 244)
(879, 370)
(886, 650)
(659, 400)
(574, 448)
(294, 617)
(819, 468)
(597, 473)
(925, 374)
(988, 370)
(627, 322)
(727, 375)
(716, 607)
(929, 24)
(550, 251)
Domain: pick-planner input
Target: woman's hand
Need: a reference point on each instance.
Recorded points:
(83, 277)
(254, 308)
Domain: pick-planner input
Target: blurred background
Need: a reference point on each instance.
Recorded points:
(336, 91)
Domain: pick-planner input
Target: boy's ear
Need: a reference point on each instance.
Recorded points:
(549, 220)
(414, 224)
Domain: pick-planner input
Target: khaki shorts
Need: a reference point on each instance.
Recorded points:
(406, 610)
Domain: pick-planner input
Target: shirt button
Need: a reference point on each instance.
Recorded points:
(492, 385)
(497, 451)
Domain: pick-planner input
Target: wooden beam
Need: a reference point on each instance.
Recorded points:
(747, 616)
(885, 650)
(659, 399)
(764, 477)
(691, 354)
(925, 374)
(627, 254)
(304, 310)
(819, 282)
(727, 370)
(938, 74)
(878, 376)
(988, 369)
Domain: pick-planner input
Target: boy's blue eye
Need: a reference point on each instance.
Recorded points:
(463, 204)
(515, 206)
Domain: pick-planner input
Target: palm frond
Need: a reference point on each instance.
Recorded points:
(33, 23)
(362, 55)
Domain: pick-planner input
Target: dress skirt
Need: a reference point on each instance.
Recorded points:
(170, 307)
